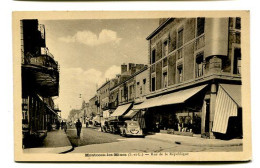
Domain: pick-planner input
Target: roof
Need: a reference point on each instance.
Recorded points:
(130, 77)
(103, 85)
(159, 28)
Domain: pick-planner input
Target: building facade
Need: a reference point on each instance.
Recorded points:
(93, 106)
(192, 62)
(40, 82)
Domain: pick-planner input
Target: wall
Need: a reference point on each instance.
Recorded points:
(216, 45)
(145, 86)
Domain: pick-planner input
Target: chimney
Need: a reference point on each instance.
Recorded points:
(132, 68)
(139, 67)
(123, 68)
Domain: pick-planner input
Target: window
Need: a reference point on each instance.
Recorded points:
(165, 78)
(153, 84)
(165, 62)
(141, 90)
(238, 23)
(122, 95)
(180, 38)
(165, 48)
(144, 81)
(131, 90)
(199, 64)
(180, 53)
(180, 43)
(237, 61)
(200, 26)
(153, 57)
(180, 73)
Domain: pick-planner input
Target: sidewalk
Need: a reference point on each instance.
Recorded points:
(195, 141)
(55, 142)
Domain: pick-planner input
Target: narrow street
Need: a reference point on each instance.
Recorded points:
(94, 141)
(91, 136)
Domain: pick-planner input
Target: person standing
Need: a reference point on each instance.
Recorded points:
(78, 127)
(65, 127)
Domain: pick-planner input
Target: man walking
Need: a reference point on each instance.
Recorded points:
(78, 127)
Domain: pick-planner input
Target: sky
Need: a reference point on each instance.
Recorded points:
(90, 51)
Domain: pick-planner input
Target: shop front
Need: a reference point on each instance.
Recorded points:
(175, 113)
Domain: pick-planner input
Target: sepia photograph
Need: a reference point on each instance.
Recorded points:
(132, 86)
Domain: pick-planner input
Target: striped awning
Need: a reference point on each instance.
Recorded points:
(130, 114)
(227, 102)
(121, 110)
(172, 98)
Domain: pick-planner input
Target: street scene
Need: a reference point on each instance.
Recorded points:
(131, 85)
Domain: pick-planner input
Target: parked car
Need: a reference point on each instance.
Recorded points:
(105, 127)
(131, 128)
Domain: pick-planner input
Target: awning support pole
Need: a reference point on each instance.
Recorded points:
(213, 95)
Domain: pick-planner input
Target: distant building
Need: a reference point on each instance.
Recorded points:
(93, 106)
(123, 95)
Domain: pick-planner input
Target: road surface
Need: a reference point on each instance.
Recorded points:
(94, 141)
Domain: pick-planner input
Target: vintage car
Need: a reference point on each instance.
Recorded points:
(112, 126)
(131, 128)
(105, 126)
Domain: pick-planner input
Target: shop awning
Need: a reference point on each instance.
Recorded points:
(55, 113)
(121, 110)
(172, 98)
(130, 114)
(227, 102)
(49, 108)
(234, 91)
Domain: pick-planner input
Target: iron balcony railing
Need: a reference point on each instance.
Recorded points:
(44, 59)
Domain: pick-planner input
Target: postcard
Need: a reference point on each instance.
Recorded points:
(131, 86)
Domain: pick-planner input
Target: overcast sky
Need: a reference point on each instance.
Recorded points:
(89, 51)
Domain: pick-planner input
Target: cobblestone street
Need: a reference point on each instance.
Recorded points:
(94, 141)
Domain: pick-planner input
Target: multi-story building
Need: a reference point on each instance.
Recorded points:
(93, 106)
(123, 94)
(40, 81)
(103, 94)
(195, 77)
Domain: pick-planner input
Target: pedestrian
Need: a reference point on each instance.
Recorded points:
(62, 124)
(65, 127)
(78, 127)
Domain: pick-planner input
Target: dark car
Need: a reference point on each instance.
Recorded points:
(131, 128)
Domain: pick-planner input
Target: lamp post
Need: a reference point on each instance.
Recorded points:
(83, 107)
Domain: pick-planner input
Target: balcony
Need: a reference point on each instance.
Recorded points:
(41, 73)
(44, 60)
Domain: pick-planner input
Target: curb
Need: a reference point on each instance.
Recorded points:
(71, 149)
(199, 145)
(209, 145)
